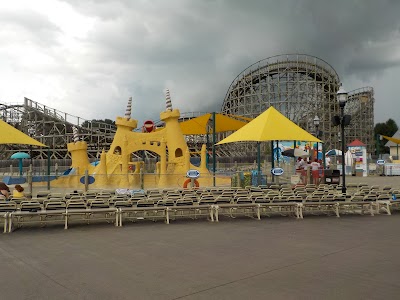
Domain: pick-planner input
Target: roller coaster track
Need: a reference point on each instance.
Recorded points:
(54, 129)
(360, 106)
(277, 68)
(300, 87)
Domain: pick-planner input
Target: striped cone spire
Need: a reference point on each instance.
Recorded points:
(128, 109)
(168, 103)
(75, 134)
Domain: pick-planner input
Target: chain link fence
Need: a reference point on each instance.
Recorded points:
(227, 173)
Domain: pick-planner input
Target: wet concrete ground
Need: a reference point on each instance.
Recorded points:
(319, 257)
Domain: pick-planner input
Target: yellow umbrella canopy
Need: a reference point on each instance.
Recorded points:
(11, 135)
(271, 125)
(199, 125)
(396, 141)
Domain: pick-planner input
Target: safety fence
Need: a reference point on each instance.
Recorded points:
(62, 177)
(33, 184)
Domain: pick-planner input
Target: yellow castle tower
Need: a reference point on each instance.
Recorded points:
(116, 168)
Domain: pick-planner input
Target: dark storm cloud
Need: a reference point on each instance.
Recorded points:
(198, 47)
(338, 31)
(354, 35)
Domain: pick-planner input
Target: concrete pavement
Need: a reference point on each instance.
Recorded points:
(319, 257)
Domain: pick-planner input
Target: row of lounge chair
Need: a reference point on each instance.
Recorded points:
(283, 190)
(118, 214)
(253, 202)
(113, 215)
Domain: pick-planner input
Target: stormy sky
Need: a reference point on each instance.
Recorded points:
(88, 57)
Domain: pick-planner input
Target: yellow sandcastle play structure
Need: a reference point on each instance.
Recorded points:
(115, 168)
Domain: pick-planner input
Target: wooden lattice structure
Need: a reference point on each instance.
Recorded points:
(300, 87)
(54, 129)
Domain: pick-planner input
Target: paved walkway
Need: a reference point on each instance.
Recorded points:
(352, 257)
(394, 181)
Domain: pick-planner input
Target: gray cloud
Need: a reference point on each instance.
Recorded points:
(30, 26)
(196, 48)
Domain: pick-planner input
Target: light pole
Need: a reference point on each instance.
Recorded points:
(316, 123)
(342, 99)
(31, 132)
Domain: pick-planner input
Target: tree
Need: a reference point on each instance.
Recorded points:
(389, 129)
(392, 127)
(95, 123)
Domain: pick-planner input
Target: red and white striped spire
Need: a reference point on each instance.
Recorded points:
(128, 110)
(168, 103)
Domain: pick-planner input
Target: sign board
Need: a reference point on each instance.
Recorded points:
(277, 171)
(380, 162)
(90, 179)
(193, 174)
(295, 179)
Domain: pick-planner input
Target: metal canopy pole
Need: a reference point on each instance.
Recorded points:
(277, 157)
(48, 168)
(343, 149)
(207, 145)
(272, 160)
(213, 146)
(277, 153)
(258, 163)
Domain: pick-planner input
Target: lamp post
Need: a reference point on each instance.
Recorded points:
(342, 99)
(316, 123)
(31, 132)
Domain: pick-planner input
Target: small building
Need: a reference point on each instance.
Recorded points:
(394, 148)
(358, 155)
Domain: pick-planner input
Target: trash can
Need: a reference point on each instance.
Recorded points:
(359, 173)
(335, 176)
(332, 176)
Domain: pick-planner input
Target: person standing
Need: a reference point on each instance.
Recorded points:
(315, 171)
(299, 168)
(305, 172)
(299, 163)
(327, 162)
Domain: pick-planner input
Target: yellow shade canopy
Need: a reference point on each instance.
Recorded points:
(241, 118)
(11, 135)
(196, 125)
(199, 125)
(396, 141)
(271, 125)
